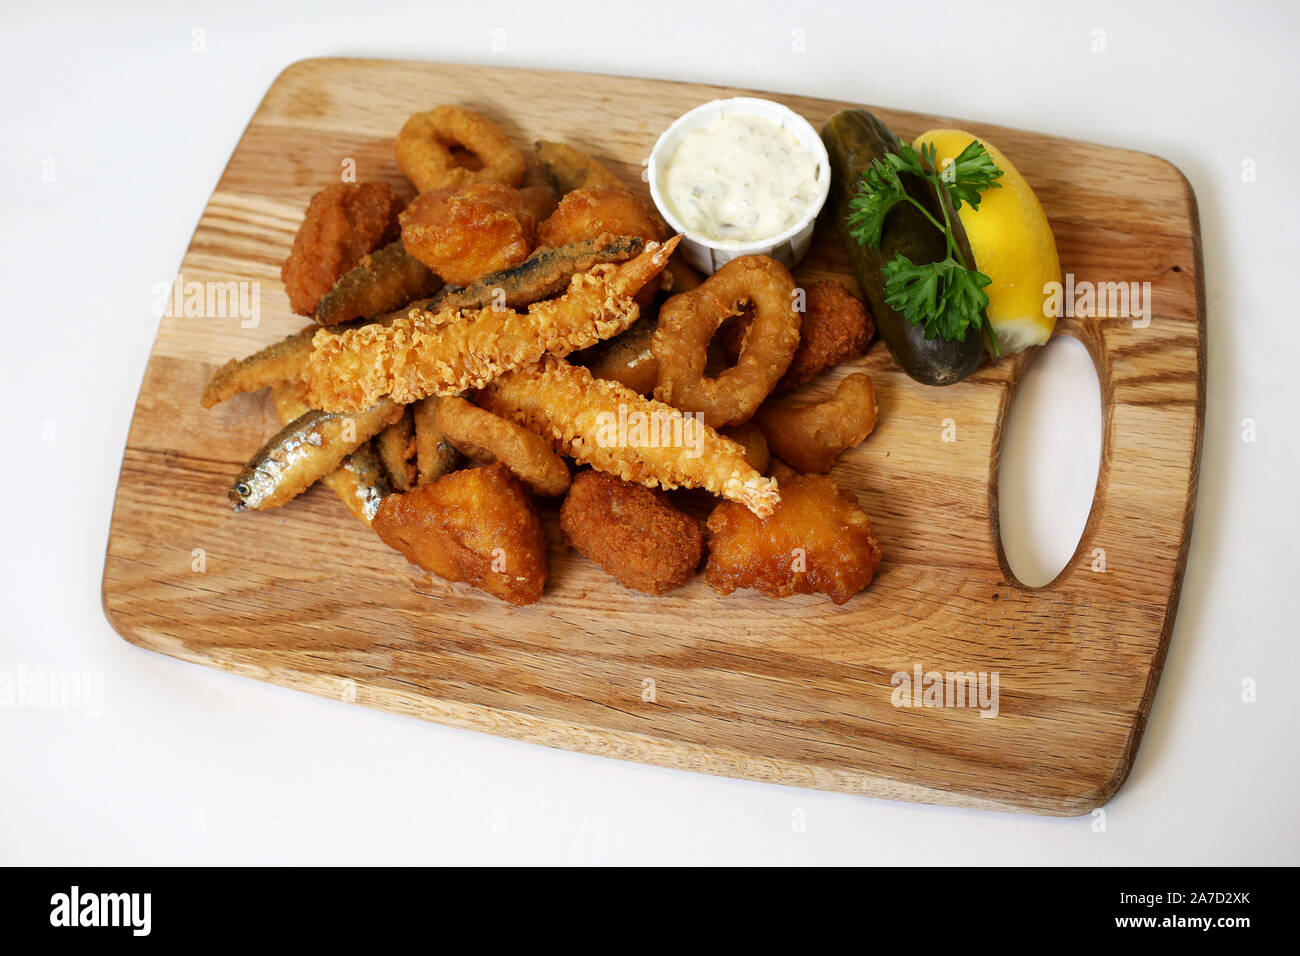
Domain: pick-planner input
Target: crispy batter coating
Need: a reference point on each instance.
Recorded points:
(615, 430)
(477, 433)
(634, 533)
(688, 322)
(810, 437)
(343, 223)
(465, 232)
(586, 213)
(446, 353)
(430, 145)
(817, 540)
(476, 526)
(836, 327)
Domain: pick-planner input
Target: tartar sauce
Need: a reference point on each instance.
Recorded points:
(742, 178)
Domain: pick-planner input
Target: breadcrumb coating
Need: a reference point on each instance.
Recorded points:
(444, 353)
(576, 411)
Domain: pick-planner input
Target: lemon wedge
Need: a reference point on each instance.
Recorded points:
(1013, 245)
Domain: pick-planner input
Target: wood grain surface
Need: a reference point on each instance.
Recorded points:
(795, 691)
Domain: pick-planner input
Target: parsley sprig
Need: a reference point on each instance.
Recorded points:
(945, 297)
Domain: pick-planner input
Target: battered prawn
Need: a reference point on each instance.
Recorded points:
(444, 353)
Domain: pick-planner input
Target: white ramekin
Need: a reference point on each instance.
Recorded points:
(706, 254)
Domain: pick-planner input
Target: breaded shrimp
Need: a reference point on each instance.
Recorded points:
(446, 353)
(613, 429)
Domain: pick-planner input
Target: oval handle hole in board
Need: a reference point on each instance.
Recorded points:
(1047, 471)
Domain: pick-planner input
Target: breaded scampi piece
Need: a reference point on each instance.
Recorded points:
(587, 213)
(817, 540)
(634, 533)
(465, 232)
(626, 359)
(615, 430)
(476, 526)
(445, 353)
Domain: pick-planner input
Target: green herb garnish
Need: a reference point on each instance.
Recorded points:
(946, 297)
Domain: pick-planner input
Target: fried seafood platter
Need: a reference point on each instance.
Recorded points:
(448, 416)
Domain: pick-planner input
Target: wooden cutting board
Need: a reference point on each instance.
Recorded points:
(795, 691)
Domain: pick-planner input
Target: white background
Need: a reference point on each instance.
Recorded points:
(194, 765)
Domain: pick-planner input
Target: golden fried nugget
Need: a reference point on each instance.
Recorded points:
(342, 224)
(634, 533)
(817, 540)
(476, 526)
(465, 232)
(586, 213)
(627, 358)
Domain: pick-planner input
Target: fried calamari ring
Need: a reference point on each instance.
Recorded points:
(810, 437)
(424, 149)
(687, 322)
(483, 436)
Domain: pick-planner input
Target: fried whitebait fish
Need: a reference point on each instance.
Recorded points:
(613, 429)
(278, 362)
(304, 451)
(434, 455)
(381, 282)
(444, 353)
(568, 168)
(542, 275)
(360, 482)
